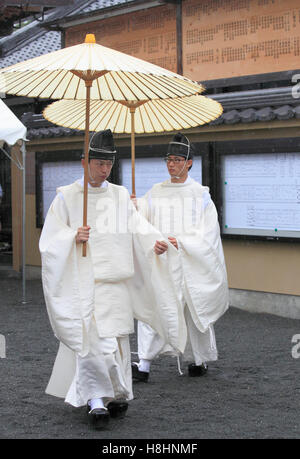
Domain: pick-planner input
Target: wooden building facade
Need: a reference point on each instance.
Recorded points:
(246, 54)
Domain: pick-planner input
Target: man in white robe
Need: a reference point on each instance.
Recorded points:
(183, 211)
(92, 301)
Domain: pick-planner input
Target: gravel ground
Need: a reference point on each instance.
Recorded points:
(252, 391)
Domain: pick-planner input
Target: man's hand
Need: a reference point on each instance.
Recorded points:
(134, 200)
(83, 234)
(160, 247)
(173, 241)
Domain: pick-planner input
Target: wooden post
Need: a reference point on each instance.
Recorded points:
(16, 205)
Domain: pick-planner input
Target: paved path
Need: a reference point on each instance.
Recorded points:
(252, 391)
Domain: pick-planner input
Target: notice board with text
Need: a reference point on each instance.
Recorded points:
(261, 194)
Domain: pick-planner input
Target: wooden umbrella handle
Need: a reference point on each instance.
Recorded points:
(88, 85)
(132, 111)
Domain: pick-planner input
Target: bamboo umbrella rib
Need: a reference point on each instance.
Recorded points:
(96, 114)
(213, 108)
(203, 103)
(193, 113)
(184, 113)
(191, 102)
(217, 110)
(52, 83)
(144, 117)
(113, 115)
(139, 125)
(103, 116)
(96, 118)
(75, 116)
(142, 84)
(127, 121)
(120, 115)
(17, 83)
(67, 83)
(109, 118)
(115, 90)
(126, 93)
(161, 121)
(164, 88)
(75, 90)
(144, 114)
(129, 94)
(165, 109)
(106, 117)
(78, 87)
(120, 119)
(184, 89)
(9, 81)
(103, 88)
(41, 81)
(141, 91)
(168, 110)
(187, 89)
(159, 125)
(159, 87)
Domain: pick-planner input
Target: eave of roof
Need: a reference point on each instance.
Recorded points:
(95, 12)
(28, 35)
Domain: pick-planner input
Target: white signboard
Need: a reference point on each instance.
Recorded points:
(149, 171)
(56, 174)
(261, 194)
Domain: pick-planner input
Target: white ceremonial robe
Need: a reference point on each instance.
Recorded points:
(92, 301)
(185, 211)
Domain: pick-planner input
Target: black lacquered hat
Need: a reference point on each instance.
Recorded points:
(102, 145)
(180, 146)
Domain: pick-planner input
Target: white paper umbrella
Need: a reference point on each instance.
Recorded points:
(152, 116)
(88, 72)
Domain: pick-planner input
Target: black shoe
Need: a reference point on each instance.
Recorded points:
(117, 408)
(197, 370)
(98, 418)
(137, 374)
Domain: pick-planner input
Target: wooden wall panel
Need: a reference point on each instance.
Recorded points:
(230, 38)
(149, 34)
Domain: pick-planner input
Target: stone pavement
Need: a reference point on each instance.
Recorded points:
(252, 391)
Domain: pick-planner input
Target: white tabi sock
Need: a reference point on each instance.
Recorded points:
(96, 403)
(144, 365)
